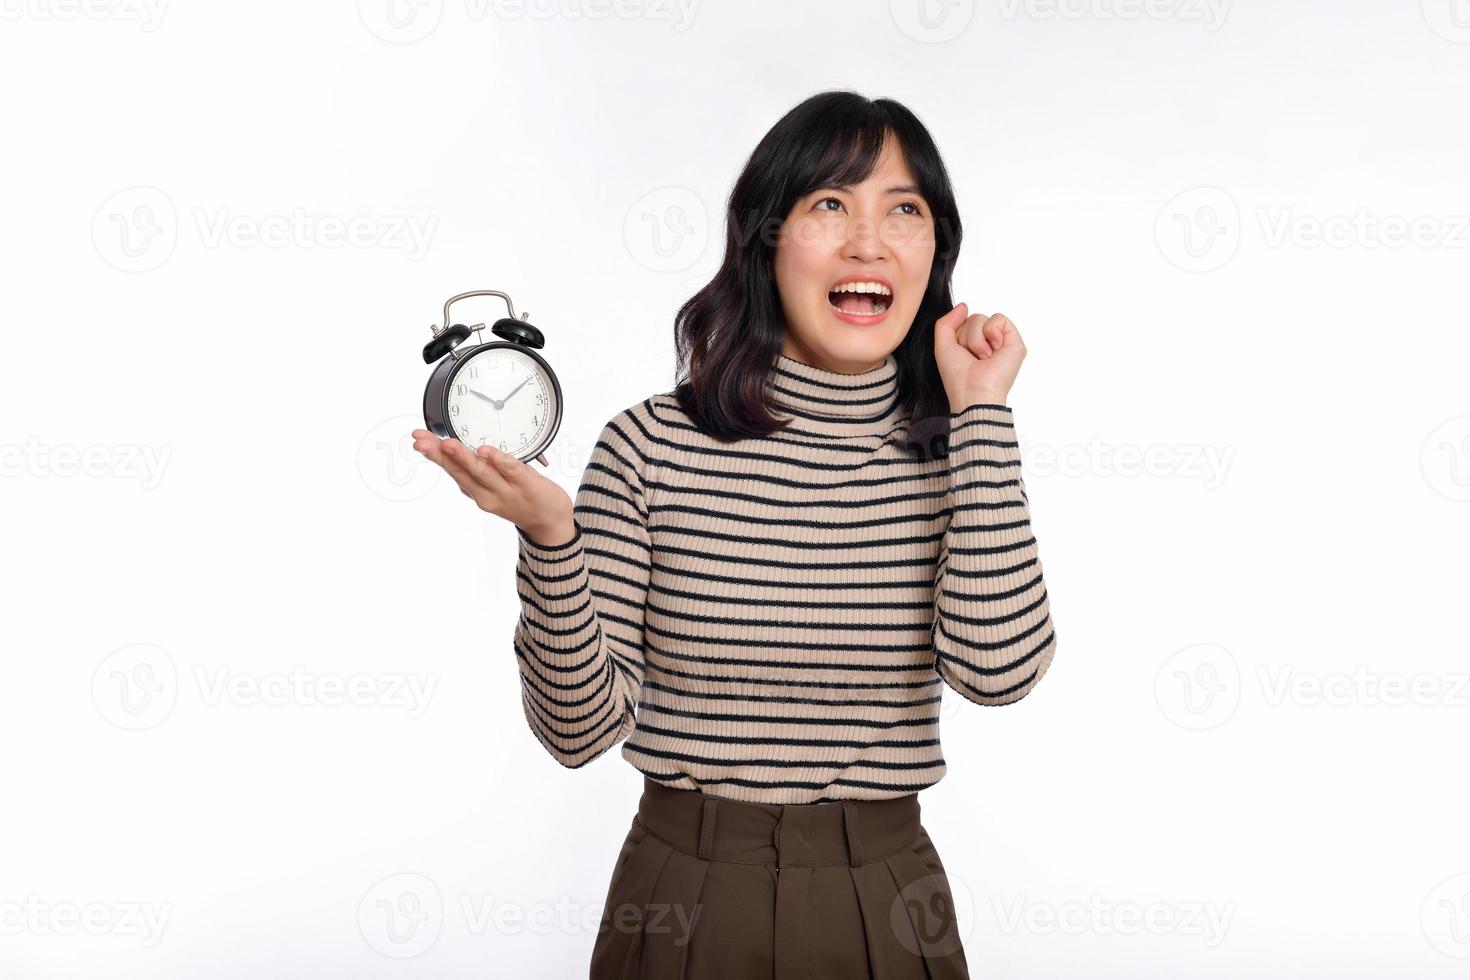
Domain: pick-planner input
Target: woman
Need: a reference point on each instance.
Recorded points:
(770, 570)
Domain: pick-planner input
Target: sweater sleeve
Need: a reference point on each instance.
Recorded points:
(579, 638)
(993, 635)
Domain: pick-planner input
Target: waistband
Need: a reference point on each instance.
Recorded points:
(847, 833)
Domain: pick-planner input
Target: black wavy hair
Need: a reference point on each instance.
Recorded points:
(727, 334)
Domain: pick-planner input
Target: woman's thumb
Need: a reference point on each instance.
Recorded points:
(945, 326)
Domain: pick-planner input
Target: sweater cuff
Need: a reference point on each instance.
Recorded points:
(550, 549)
(984, 455)
(981, 410)
(981, 420)
(556, 564)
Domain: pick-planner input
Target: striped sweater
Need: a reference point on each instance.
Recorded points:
(773, 620)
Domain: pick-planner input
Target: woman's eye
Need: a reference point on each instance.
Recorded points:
(905, 204)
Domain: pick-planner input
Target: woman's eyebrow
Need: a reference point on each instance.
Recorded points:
(898, 189)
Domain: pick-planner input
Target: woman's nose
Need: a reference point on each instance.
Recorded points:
(864, 239)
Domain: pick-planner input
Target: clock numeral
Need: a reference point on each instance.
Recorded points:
(454, 409)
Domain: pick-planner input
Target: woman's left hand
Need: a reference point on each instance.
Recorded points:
(978, 357)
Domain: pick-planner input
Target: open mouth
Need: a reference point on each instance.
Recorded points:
(862, 297)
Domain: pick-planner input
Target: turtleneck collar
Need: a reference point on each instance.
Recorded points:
(831, 402)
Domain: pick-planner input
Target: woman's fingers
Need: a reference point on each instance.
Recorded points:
(475, 476)
(972, 335)
(503, 466)
(979, 357)
(987, 335)
(997, 327)
(1007, 336)
(993, 331)
(982, 334)
(946, 333)
(427, 443)
(479, 469)
(486, 465)
(953, 318)
(468, 484)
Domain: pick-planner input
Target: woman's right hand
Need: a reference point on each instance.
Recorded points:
(502, 485)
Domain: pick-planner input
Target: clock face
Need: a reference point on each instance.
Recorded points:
(501, 397)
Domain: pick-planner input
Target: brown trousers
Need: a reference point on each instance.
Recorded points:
(715, 889)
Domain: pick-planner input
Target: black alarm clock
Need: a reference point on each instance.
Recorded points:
(501, 393)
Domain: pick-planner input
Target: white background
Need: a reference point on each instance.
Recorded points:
(1234, 237)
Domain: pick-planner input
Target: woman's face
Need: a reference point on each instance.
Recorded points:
(877, 232)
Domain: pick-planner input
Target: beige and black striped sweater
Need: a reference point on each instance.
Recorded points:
(773, 620)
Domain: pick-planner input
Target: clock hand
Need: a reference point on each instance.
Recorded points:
(514, 390)
(484, 396)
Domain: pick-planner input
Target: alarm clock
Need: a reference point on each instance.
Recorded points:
(501, 393)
